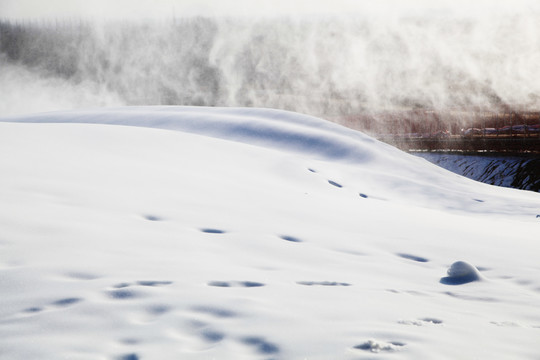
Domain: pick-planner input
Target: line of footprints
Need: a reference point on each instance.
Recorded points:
(260, 345)
(125, 291)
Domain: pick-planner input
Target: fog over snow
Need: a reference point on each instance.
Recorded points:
(234, 233)
(329, 59)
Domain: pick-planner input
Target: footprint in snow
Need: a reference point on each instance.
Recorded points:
(212, 336)
(226, 284)
(323, 283)
(61, 303)
(121, 285)
(421, 322)
(158, 309)
(338, 185)
(290, 238)
(81, 276)
(432, 320)
(123, 291)
(261, 345)
(213, 231)
(66, 302)
(378, 346)
(151, 283)
(153, 218)
(33, 310)
(215, 311)
(122, 294)
(412, 257)
(128, 357)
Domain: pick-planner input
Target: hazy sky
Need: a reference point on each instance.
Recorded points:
(24, 9)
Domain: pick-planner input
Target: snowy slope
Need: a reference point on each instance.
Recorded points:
(252, 234)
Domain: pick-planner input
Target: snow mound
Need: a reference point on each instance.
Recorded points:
(277, 129)
(387, 172)
(461, 272)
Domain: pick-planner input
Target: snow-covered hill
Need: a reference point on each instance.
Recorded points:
(230, 233)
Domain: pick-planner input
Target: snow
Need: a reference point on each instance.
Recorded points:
(461, 272)
(231, 233)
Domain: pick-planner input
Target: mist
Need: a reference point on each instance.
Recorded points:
(325, 65)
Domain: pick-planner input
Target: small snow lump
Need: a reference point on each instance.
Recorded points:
(461, 272)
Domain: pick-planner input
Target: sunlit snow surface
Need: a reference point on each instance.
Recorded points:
(253, 234)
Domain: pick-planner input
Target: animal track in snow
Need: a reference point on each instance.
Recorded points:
(215, 311)
(153, 283)
(421, 322)
(432, 320)
(34, 309)
(122, 291)
(412, 257)
(122, 294)
(247, 284)
(121, 285)
(158, 309)
(323, 283)
(290, 238)
(128, 357)
(212, 231)
(66, 302)
(212, 336)
(338, 185)
(82, 276)
(261, 345)
(378, 346)
(61, 303)
(153, 218)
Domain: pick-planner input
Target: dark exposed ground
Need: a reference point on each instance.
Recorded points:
(516, 171)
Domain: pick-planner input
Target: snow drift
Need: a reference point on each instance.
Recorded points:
(231, 233)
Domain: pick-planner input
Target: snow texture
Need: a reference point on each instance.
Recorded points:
(231, 233)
